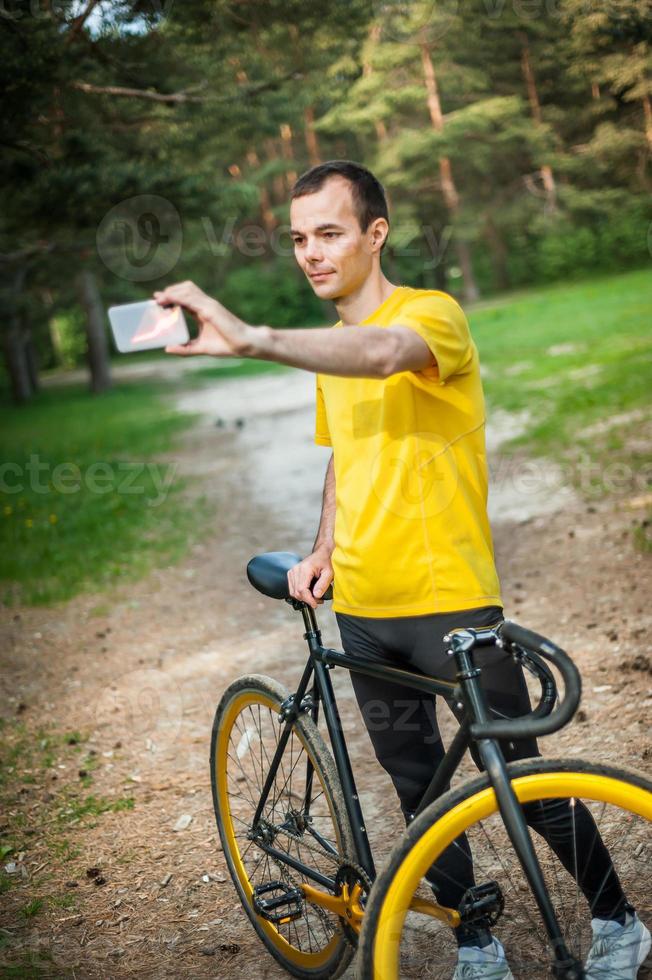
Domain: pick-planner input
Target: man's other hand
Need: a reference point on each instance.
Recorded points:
(221, 333)
(317, 565)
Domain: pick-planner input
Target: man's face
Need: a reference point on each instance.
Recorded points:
(329, 245)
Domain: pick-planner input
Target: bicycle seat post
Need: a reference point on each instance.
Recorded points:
(313, 633)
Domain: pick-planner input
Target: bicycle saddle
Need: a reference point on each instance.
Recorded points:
(269, 574)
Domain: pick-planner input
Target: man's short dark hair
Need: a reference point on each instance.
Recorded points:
(369, 201)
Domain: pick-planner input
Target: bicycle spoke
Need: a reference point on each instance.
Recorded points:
(543, 809)
(244, 775)
(515, 891)
(252, 755)
(568, 831)
(245, 737)
(252, 743)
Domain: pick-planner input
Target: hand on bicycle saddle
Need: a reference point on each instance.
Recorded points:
(315, 566)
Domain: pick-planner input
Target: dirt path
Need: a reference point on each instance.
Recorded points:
(139, 673)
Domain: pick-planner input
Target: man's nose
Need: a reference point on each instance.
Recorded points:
(314, 252)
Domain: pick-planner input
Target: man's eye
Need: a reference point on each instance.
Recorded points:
(332, 234)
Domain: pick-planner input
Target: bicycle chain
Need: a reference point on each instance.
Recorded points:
(359, 871)
(332, 921)
(349, 933)
(328, 922)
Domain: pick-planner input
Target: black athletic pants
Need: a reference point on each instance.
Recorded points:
(402, 725)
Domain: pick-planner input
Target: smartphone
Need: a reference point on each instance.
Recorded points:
(146, 326)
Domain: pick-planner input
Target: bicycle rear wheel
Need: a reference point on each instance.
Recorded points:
(397, 941)
(304, 818)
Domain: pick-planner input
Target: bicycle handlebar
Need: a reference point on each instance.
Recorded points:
(538, 667)
(511, 634)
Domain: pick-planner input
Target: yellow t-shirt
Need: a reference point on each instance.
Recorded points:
(411, 530)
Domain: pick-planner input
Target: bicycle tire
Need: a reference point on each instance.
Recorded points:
(257, 697)
(390, 948)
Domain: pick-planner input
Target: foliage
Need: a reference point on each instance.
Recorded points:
(216, 107)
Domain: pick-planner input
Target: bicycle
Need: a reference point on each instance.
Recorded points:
(294, 836)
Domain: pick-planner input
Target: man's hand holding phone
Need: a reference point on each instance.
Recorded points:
(221, 333)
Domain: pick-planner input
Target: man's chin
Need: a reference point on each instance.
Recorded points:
(325, 289)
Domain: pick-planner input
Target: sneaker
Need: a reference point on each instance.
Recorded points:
(482, 963)
(617, 950)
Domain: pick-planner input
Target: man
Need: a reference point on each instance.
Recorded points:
(404, 532)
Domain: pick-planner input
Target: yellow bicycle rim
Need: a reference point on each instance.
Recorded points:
(436, 839)
(296, 956)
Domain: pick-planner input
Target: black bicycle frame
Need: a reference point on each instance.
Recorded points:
(467, 696)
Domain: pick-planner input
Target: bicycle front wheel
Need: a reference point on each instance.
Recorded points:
(590, 804)
(303, 825)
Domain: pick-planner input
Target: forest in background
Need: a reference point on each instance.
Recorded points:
(146, 142)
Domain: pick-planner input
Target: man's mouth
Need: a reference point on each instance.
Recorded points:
(318, 276)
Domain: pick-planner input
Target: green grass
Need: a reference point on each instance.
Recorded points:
(643, 535)
(30, 757)
(569, 358)
(34, 965)
(76, 809)
(609, 322)
(62, 848)
(84, 504)
(32, 908)
(63, 901)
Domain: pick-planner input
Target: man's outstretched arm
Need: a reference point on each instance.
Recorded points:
(318, 564)
(373, 352)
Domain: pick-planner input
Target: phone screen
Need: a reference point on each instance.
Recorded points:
(146, 326)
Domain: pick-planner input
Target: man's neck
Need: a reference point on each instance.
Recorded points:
(359, 305)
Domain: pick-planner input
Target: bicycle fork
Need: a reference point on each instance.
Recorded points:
(566, 966)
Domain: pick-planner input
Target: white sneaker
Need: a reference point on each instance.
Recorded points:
(482, 963)
(617, 951)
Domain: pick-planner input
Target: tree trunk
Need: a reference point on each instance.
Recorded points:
(312, 143)
(388, 260)
(498, 253)
(16, 363)
(279, 192)
(31, 359)
(367, 70)
(449, 190)
(13, 342)
(647, 111)
(469, 286)
(547, 176)
(441, 280)
(288, 154)
(98, 348)
(266, 212)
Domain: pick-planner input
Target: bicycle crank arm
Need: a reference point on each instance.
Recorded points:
(449, 916)
(347, 905)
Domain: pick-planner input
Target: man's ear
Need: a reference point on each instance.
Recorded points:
(378, 232)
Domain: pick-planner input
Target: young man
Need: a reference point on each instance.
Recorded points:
(404, 530)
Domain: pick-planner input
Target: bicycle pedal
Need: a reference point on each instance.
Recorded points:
(282, 905)
(482, 905)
